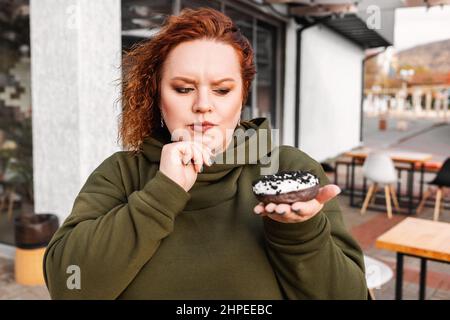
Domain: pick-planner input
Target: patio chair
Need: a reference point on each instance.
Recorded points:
(379, 168)
(377, 274)
(441, 180)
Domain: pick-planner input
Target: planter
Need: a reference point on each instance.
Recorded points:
(34, 231)
(28, 266)
(32, 235)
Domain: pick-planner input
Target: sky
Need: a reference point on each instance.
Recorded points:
(415, 26)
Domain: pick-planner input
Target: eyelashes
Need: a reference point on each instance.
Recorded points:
(183, 90)
(188, 90)
(222, 91)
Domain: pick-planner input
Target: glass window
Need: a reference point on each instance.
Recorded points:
(142, 18)
(245, 24)
(16, 161)
(265, 67)
(200, 3)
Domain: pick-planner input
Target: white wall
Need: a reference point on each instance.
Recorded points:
(75, 57)
(330, 93)
(289, 84)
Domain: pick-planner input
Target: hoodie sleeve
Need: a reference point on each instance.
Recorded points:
(110, 234)
(317, 258)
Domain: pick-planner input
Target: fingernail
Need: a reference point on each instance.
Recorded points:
(201, 169)
(256, 211)
(296, 210)
(282, 212)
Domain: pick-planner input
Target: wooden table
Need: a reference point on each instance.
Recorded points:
(420, 238)
(410, 158)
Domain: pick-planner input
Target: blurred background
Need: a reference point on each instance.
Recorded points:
(361, 86)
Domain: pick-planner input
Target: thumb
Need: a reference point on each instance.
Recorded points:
(327, 193)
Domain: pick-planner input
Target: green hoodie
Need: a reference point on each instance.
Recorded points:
(133, 233)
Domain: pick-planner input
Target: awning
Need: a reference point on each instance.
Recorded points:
(348, 17)
(355, 29)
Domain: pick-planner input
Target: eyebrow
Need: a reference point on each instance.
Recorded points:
(188, 80)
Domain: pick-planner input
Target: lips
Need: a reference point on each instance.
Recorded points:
(201, 127)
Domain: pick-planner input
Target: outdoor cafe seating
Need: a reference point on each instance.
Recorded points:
(409, 190)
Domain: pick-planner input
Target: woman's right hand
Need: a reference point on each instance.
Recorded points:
(182, 161)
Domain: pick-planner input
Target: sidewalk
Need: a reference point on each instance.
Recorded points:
(435, 140)
(373, 137)
(423, 135)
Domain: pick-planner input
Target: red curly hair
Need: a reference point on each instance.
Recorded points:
(142, 67)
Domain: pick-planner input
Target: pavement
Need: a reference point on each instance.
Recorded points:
(435, 140)
(428, 135)
(373, 137)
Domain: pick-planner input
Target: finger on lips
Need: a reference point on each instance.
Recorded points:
(206, 152)
(198, 157)
(186, 154)
(196, 154)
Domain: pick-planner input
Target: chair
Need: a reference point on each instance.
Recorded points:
(380, 169)
(441, 181)
(377, 274)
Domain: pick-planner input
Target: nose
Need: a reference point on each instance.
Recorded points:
(203, 102)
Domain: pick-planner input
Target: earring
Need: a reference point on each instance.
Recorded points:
(162, 123)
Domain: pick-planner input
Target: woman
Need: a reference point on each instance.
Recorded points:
(162, 221)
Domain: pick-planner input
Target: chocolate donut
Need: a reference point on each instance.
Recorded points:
(286, 187)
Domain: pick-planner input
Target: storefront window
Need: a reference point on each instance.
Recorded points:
(245, 24)
(265, 67)
(200, 3)
(16, 164)
(142, 18)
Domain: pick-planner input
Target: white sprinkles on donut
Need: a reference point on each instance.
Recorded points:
(284, 182)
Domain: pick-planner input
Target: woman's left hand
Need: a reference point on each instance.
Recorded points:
(298, 211)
